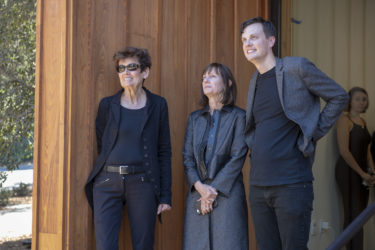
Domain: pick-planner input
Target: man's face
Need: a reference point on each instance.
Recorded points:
(255, 45)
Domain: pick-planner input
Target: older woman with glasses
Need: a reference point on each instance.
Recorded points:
(214, 153)
(133, 166)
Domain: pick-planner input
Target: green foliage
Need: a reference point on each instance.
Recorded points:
(4, 197)
(22, 190)
(3, 177)
(17, 81)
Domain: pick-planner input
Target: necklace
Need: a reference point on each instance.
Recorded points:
(357, 120)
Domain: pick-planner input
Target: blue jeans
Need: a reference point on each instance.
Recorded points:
(281, 215)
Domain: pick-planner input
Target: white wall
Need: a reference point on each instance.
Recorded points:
(338, 36)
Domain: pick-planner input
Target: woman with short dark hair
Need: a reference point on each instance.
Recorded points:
(133, 166)
(214, 152)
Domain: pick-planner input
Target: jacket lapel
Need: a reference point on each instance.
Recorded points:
(279, 80)
(114, 123)
(225, 119)
(150, 105)
(250, 101)
(116, 107)
(200, 126)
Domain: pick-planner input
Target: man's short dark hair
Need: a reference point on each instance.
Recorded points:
(142, 55)
(230, 90)
(268, 27)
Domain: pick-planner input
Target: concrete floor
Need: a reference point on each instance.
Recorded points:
(16, 220)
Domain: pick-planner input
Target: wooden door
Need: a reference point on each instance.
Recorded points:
(75, 44)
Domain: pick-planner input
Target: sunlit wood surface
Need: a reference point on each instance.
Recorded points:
(75, 44)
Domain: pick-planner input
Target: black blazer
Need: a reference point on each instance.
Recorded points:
(156, 145)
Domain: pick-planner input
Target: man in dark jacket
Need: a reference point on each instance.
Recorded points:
(283, 124)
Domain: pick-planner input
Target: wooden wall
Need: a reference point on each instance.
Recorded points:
(75, 44)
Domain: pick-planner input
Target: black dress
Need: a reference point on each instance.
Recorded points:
(354, 193)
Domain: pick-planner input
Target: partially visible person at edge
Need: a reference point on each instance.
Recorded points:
(355, 167)
(133, 166)
(214, 153)
(373, 146)
(283, 124)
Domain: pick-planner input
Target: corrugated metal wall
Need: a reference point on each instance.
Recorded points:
(338, 36)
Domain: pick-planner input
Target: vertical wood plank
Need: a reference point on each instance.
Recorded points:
(75, 45)
(83, 111)
(286, 28)
(51, 98)
(142, 31)
(223, 41)
(37, 127)
(51, 140)
(173, 63)
(198, 54)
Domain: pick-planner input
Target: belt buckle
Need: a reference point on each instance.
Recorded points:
(124, 169)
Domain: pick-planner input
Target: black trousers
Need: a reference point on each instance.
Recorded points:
(111, 192)
(355, 199)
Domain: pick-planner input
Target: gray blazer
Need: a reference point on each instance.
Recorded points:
(300, 86)
(227, 223)
(229, 150)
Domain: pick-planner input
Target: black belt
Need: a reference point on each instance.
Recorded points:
(125, 169)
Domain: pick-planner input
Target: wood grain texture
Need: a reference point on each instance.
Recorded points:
(75, 44)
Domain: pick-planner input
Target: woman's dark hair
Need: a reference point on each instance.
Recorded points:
(351, 92)
(268, 27)
(141, 54)
(230, 90)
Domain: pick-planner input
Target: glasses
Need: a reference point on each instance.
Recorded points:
(131, 67)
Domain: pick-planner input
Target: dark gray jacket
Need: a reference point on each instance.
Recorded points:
(300, 86)
(229, 148)
(226, 225)
(156, 145)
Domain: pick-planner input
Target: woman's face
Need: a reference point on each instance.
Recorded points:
(359, 102)
(212, 83)
(132, 76)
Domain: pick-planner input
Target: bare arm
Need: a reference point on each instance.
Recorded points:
(343, 129)
(370, 162)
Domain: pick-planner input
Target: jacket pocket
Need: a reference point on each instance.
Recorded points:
(101, 182)
(101, 179)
